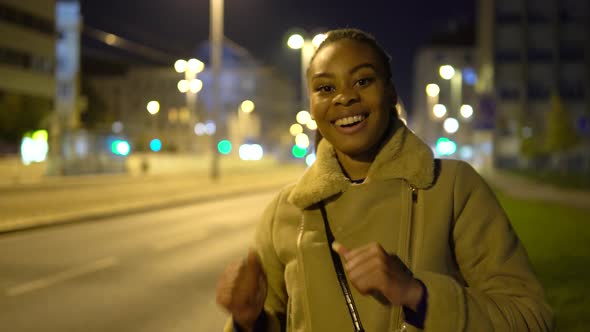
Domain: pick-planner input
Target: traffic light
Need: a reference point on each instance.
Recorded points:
(155, 145)
(120, 147)
(445, 146)
(298, 152)
(224, 146)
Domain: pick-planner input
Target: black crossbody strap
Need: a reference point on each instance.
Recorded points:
(354, 315)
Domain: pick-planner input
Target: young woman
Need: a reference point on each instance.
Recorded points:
(419, 243)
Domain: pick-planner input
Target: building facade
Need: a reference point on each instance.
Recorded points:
(434, 94)
(529, 51)
(27, 62)
(175, 124)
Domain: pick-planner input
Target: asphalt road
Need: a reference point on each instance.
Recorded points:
(146, 272)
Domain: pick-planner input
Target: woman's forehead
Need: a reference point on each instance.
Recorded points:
(347, 53)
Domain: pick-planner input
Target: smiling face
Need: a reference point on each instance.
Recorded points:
(350, 98)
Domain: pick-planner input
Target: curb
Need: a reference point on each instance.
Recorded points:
(125, 210)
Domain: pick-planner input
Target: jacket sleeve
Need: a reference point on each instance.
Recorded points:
(276, 297)
(502, 292)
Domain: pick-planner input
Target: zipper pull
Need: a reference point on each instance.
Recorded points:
(414, 193)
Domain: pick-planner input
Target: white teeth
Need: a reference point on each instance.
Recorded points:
(349, 120)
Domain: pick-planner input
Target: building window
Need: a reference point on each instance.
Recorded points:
(509, 93)
(537, 90)
(571, 89)
(508, 18)
(507, 56)
(570, 52)
(14, 58)
(25, 19)
(539, 55)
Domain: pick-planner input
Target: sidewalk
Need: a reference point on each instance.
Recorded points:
(521, 187)
(50, 201)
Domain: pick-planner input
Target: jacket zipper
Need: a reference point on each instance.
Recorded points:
(408, 254)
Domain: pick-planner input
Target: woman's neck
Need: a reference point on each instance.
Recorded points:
(357, 167)
(354, 168)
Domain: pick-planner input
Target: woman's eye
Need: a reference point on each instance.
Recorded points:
(325, 88)
(364, 81)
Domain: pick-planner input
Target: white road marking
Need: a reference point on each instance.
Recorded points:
(178, 241)
(78, 271)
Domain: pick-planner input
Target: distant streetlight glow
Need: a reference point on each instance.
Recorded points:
(312, 125)
(445, 146)
(302, 141)
(451, 125)
(439, 110)
(295, 41)
(447, 72)
(303, 117)
(195, 66)
(296, 129)
(153, 107)
(117, 127)
(196, 85)
(155, 145)
(466, 111)
(183, 86)
(310, 159)
(247, 106)
(200, 129)
(318, 39)
(111, 39)
(432, 90)
(180, 66)
(251, 152)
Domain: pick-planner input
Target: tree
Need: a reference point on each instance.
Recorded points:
(561, 134)
(19, 114)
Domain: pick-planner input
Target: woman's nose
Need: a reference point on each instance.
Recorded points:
(346, 97)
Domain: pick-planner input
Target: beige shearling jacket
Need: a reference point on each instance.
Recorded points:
(439, 217)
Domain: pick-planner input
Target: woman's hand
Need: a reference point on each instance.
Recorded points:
(372, 271)
(241, 290)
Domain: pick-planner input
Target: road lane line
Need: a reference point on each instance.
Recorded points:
(78, 271)
(178, 241)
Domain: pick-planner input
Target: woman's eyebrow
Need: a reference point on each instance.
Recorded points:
(351, 71)
(320, 75)
(362, 66)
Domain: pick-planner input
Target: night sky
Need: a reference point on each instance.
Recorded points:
(262, 26)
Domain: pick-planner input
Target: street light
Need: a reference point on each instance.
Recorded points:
(296, 41)
(303, 117)
(432, 90)
(190, 68)
(466, 111)
(295, 129)
(439, 110)
(247, 106)
(243, 123)
(447, 72)
(451, 125)
(153, 107)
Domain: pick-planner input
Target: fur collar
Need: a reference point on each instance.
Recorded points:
(404, 156)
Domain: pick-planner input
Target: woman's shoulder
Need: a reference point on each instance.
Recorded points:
(456, 172)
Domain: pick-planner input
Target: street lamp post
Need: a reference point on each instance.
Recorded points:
(244, 111)
(296, 41)
(216, 44)
(190, 86)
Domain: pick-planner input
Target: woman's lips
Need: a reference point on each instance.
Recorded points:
(351, 125)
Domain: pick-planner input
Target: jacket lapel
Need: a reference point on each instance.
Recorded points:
(404, 156)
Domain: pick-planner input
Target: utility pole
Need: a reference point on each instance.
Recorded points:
(67, 51)
(216, 45)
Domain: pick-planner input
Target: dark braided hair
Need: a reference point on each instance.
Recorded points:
(362, 37)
